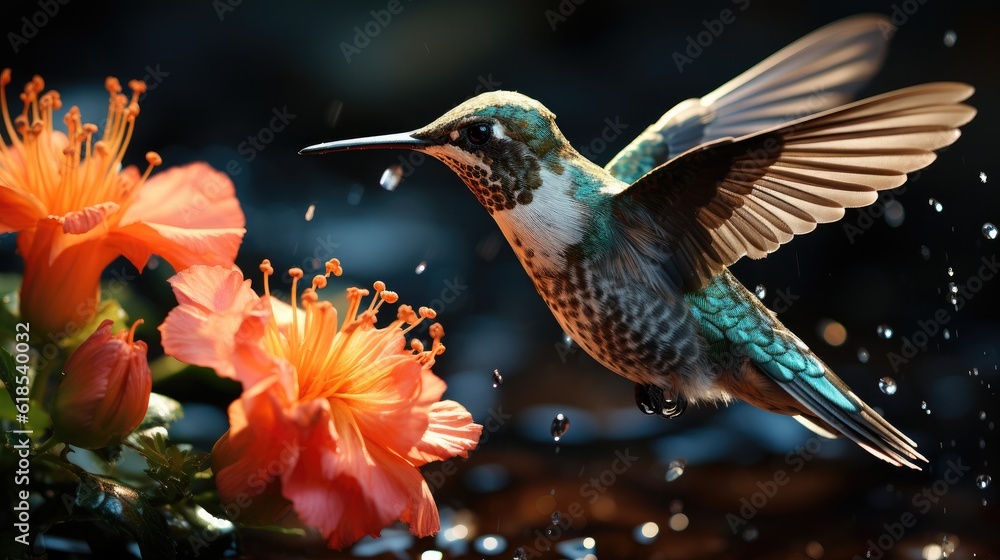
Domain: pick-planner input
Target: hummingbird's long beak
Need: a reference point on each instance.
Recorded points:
(403, 140)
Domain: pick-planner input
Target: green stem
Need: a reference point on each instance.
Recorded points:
(49, 444)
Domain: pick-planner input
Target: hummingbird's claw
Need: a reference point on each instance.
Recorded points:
(651, 400)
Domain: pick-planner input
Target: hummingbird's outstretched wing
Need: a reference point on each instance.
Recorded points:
(713, 204)
(820, 71)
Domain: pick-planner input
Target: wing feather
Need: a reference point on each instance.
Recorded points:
(747, 196)
(819, 71)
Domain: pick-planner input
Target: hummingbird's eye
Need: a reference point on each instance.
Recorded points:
(479, 134)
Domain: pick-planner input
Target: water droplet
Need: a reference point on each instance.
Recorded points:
(519, 554)
(560, 424)
(884, 331)
(951, 271)
(982, 415)
(675, 469)
(646, 532)
(952, 287)
(863, 355)
(750, 534)
(310, 212)
(895, 214)
(556, 516)
(421, 267)
(887, 385)
(989, 231)
(678, 522)
(925, 252)
(983, 481)
(949, 38)
(761, 291)
(974, 371)
(947, 334)
(497, 378)
(982, 176)
(984, 503)
(354, 195)
(935, 204)
(923, 405)
(391, 177)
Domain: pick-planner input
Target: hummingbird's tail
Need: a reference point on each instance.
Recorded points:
(762, 362)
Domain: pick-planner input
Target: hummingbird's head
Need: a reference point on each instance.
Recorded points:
(498, 142)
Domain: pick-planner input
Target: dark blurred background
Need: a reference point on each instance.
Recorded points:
(219, 71)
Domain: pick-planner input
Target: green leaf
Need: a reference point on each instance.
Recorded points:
(171, 467)
(162, 412)
(8, 372)
(126, 509)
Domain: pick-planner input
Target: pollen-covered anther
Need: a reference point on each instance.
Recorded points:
(427, 313)
(5, 77)
(112, 84)
(379, 286)
(154, 159)
(405, 314)
(265, 267)
(137, 86)
(319, 282)
(436, 331)
(295, 272)
(333, 267)
(417, 346)
(309, 296)
(390, 297)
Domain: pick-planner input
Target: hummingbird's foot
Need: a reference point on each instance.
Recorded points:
(652, 399)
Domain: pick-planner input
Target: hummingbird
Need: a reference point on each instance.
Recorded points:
(632, 257)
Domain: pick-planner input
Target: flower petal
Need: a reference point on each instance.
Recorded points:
(193, 196)
(21, 209)
(450, 433)
(249, 464)
(82, 221)
(188, 215)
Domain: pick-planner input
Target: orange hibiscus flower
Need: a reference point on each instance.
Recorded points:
(75, 209)
(332, 421)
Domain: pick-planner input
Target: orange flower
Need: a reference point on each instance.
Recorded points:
(332, 421)
(75, 209)
(105, 392)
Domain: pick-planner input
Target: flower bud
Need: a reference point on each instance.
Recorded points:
(105, 392)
